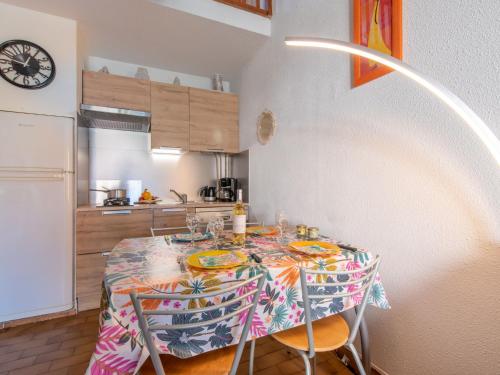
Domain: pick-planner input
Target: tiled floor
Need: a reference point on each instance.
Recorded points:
(64, 346)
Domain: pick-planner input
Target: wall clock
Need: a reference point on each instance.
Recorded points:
(25, 64)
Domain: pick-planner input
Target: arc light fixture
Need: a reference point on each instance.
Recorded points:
(454, 102)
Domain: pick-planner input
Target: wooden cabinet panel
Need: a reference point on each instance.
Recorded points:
(169, 116)
(108, 90)
(99, 231)
(170, 218)
(213, 121)
(89, 277)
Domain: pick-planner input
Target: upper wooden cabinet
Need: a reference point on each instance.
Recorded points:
(108, 90)
(213, 122)
(169, 116)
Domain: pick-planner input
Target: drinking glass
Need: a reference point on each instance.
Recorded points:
(219, 227)
(281, 224)
(215, 227)
(192, 221)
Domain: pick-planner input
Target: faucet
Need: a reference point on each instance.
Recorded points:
(182, 197)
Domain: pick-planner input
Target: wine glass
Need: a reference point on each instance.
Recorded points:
(281, 224)
(215, 227)
(192, 221)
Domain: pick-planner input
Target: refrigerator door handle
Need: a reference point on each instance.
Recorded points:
(32, 174)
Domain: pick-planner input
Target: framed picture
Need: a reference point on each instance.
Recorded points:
(377, 25)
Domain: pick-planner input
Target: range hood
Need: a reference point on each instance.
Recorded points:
(114, 118)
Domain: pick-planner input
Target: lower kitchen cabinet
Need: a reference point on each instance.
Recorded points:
(174, 218)
(97, 232)
(89, 276)
(100, 230)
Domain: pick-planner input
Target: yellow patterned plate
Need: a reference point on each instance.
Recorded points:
(262, 231)
(314, 247)
(215, 259)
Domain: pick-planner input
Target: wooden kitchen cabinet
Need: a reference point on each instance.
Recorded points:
(89, 277)
(108, 90)
(97, 232)
(100, 230)
(213, 121)
(169, 116)
(171, 218)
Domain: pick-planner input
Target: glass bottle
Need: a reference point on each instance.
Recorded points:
(239, 220)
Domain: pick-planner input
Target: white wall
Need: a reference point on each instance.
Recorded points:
(121, 159)
(58, 37)
(388, 167)
(94, 63)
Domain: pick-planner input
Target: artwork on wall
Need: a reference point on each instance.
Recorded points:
(377, 25)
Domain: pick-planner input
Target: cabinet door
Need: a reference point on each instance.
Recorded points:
(99, 231)
(213, 122)
(170, 218)
(89, 277)
(108, 90)
(169, 116)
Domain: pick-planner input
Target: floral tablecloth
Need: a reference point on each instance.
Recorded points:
(149, 265)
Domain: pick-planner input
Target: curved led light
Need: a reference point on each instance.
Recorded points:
(453, 101)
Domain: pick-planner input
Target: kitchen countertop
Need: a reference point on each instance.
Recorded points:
(157, 205)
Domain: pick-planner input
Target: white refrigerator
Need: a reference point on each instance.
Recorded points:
(36, 214)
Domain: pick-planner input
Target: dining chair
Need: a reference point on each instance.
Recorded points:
(220, 361)
(255, 223)
(332, 332)
(167, 230)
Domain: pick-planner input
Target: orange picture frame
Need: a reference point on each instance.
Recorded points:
(378, 25)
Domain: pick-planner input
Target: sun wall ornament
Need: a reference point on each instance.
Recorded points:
(378, 26)
(266, 127)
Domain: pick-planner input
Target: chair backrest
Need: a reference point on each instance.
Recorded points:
(326, 286)
(168, 230)
(246, 301)
(255, 223)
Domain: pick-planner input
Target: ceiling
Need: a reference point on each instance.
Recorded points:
(144, 33)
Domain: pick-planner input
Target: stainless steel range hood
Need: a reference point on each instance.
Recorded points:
(115, 118)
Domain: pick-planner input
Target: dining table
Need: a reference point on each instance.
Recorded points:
(158, 265)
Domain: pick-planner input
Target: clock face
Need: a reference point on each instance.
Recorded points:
(25, 64)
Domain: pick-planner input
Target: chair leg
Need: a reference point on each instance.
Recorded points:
(314, 365)
(252, 355)
(307, 364)
(355, 354)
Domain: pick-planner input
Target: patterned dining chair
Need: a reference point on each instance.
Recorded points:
(332, 332)
(220, 361)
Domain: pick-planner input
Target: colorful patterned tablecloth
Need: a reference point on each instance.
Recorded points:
(149, 265)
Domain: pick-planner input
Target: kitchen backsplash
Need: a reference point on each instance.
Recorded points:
(121, 159)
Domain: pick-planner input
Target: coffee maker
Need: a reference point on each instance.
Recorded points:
(227, 187)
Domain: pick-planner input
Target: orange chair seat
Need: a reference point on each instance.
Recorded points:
(329, 333)
(217, 362)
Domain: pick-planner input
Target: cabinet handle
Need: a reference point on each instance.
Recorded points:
(173, 210)
(117, 212)
(106, 253)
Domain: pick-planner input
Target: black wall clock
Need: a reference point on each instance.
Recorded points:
(25, 64)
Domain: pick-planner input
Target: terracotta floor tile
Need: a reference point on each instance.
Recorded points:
(70, 361)
(40, 350)
(53, 355)
(19, 363)
(37, 369)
